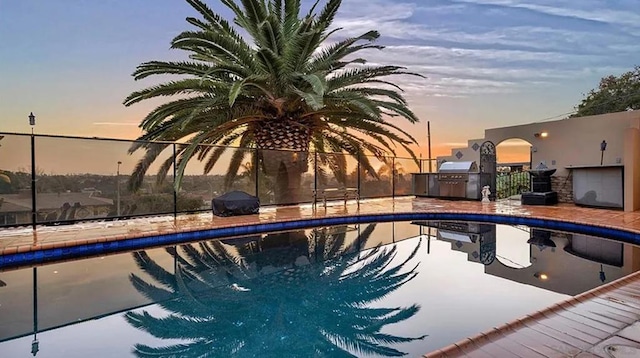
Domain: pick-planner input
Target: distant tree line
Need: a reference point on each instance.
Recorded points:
(614, 94)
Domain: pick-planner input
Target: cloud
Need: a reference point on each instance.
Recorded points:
(455, 72)
(381, 10)
(437, 55)
(115, 124)
(466, 50)
(526, 37)
(452, 86)
(591, 10)
(454, 144)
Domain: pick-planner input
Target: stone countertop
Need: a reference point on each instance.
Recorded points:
(594, 166)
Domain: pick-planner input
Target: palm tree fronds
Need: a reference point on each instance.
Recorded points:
(269, 65)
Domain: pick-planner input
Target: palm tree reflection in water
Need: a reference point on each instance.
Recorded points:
(294, 295)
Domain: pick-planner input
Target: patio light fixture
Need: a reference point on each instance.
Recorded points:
(32, 119)
(541, 276)
(603, 147)
(541, 135)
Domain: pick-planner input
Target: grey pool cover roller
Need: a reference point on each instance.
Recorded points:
(235, 203)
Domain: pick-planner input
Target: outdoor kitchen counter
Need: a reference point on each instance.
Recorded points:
(425, 184)
(595, 166)
(598, 185)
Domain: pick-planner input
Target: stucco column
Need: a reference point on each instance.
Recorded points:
(632, 169)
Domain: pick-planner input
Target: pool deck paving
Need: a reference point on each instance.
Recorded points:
(603, 322)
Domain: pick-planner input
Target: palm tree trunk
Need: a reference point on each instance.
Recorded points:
(284, 153)
(288, 175)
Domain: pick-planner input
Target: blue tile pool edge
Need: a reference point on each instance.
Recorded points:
(95, 249)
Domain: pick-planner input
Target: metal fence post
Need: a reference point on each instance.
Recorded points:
(175, 190)
(255, 169)
(315, 178)
(393, 177)
(34, 216)
(358, 176)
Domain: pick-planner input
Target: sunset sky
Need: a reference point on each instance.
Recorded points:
(489, 63)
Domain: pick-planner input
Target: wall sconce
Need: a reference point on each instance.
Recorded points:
(603, 147)
(541, 276)
(541, 135)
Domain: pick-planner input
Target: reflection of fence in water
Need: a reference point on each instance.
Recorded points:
(512, 183)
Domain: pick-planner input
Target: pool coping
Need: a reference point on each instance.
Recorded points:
(37, 254)
(474, 343)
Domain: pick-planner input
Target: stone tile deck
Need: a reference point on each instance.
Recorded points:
(604, 322)
(25, 239)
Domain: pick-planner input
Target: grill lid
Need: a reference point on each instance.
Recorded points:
(458, 167)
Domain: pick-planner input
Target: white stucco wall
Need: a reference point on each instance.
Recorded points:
(572, 141)
(576, 142)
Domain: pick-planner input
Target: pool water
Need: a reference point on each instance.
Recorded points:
(371, 290)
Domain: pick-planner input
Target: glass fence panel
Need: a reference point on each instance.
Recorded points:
(429, 165)
(214, 174)
(377, 181)
(96, 179)
(266, 189)
(83, 179)
(402, 178)
(15, 180)
(336, 171)
(285, 177)
(155, 192)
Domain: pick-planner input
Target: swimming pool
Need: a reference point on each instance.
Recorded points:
(380, 289)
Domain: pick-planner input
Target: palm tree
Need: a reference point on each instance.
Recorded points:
(270, 80)
(231, 300)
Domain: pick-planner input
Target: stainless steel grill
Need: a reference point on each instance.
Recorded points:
(453, 178)
(457, 231)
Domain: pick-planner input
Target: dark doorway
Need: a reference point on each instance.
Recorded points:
(488, 167)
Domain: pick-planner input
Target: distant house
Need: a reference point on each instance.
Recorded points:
(91, 191)
(11, 213)
(16, 208)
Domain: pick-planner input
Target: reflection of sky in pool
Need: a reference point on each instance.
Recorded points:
(290, 294)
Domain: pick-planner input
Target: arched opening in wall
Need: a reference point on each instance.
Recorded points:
(513, 161)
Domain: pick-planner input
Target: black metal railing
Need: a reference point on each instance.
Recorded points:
(512, 183)
(53, 180)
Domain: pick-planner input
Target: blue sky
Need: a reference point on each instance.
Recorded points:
(489, 63)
